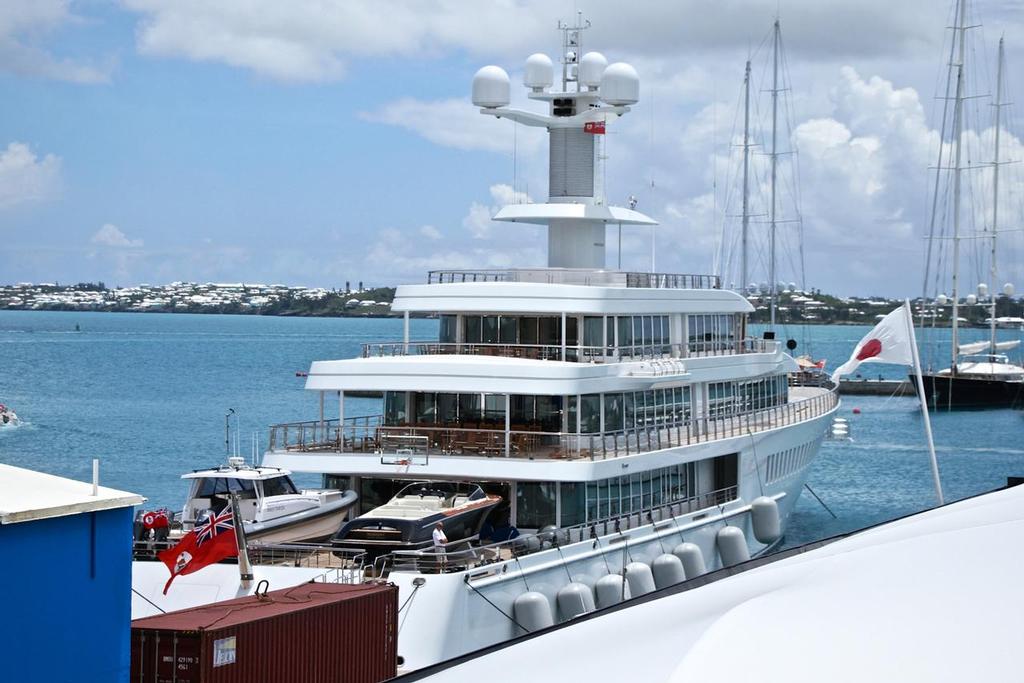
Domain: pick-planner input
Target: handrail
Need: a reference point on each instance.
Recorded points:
(573, 276)
(370, 435)
(592, 354)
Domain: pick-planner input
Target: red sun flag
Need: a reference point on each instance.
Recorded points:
(872, 348)
(210, 542)
(594, 127)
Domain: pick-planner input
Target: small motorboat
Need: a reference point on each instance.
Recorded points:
(272, 509)
(8, 418)
(407, 521)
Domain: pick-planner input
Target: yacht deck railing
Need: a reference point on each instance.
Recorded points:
(414, 442)
(573, 353)
(571, 276)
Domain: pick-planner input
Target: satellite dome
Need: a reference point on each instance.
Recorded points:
(941, 299)
(540, 72)
(592, 66)
(620, 84)
(970, 300)
(1008, 289)
(491, 87)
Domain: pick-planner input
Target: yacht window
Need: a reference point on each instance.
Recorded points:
(278, 486)
(648, 330)
(610, 334)
(394, 408)
(448, 329)
(490, 329)
(469, 409)
(571, 415)
(574, 503)
(535, 504)
(243, 488)
(447, 409)
(549, 413)
(426, 409)
(625, 324)
(473, 327)
(494, 409)
(593, 334)
(590, 415)
(508, 330)
(572, 337)
(638, 330)
(613, 412)
(549, 331)
(528, 331)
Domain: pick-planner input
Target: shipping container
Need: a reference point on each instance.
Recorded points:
(310, 633)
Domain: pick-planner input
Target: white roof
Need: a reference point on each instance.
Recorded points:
(245, 472)
(933, 597)
(544, 298)
(27, 495)
(545, 213)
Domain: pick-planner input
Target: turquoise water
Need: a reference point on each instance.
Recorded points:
(147, 394)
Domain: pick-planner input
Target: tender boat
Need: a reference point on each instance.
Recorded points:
(407, 521)
(273, 509)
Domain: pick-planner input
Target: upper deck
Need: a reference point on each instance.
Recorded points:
(578, 276)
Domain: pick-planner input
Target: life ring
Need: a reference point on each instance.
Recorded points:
(149, 519)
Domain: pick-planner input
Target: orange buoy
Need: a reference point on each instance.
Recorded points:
(856, 411)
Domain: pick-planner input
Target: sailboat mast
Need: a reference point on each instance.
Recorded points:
(773, 288)
(995, 196)
(746, 177)
(958, 123)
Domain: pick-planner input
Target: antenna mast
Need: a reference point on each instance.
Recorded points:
(746, 177)
(772, 285)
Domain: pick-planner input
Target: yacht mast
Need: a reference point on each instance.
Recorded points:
(746, 177)
(773, 287)
(958, 123)
(995, 196)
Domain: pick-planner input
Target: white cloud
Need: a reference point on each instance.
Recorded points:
(430, 232)
(111, 236)
(22, 23)
(24, 177)
(478, 219)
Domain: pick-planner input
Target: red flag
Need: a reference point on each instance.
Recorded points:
(210, 542)
(594, 127)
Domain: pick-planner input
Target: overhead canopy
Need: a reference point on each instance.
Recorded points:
(545, 213)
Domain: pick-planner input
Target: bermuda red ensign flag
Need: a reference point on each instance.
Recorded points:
(210, 542)
(594, 127)
(889, 342)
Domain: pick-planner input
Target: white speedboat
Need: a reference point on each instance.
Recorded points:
(8, 418)
(272, 508)
(639, 435)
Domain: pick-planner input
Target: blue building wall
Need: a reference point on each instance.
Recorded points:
(66, 613)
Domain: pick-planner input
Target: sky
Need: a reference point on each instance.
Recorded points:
(316, 142)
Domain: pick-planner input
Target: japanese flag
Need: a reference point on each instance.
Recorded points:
(889, 342)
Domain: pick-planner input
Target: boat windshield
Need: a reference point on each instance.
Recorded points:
(212, 486)
(441, 489)
(278, 486)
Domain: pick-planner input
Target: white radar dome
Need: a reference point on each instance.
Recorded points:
(491, 87)
(620, 84)
(1008, 289)
(941, 299)
(970, 299)
(592, 66)
(982, 289)
(540, 72)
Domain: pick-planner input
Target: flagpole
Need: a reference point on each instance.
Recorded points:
(924, 402)
(244, 566)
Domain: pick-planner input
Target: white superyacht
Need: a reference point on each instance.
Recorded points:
(636, 435)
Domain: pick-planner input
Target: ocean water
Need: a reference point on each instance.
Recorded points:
(147, 395)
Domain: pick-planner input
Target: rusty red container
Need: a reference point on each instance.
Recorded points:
(313, 632)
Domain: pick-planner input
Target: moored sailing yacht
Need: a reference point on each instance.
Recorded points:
(984, 377)
(633, 432)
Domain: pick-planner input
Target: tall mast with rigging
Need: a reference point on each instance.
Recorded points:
(746, 178)
(958, 106)
(772, 284)
(995, 196)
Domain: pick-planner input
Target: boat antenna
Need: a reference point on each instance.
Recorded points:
(227, 432)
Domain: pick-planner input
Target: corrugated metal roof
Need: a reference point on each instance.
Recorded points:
(27, 495)
(252, 608)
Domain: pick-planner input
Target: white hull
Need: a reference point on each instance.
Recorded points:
(317, 528)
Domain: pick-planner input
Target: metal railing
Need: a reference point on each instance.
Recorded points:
(592, 354)
(370, 435)
(573, 276)
(462, 555)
